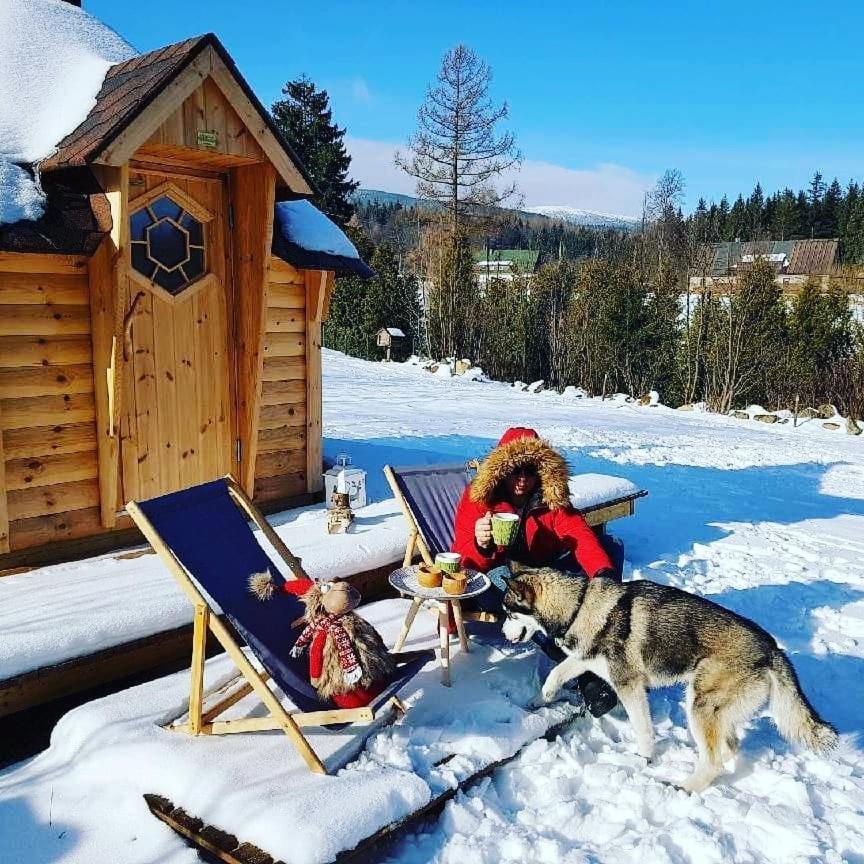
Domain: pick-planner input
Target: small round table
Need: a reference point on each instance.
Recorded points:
(404, 580)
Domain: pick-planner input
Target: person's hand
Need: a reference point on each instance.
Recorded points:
(483, 531)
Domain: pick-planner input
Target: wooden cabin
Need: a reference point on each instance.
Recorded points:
(155, 330)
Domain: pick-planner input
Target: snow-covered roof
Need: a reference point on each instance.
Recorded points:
(304, 237)
(395, 331)
(53, 59)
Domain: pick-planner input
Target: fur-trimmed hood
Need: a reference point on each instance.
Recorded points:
(523, 447)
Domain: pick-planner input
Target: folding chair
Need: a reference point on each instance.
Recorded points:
(204, 537)
(428, 496)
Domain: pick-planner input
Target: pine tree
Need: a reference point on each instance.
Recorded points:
(457, 155)
(723, 219)
(746, 340)
(304, 117)
(830, 215)
(755, 206)
(815, 194)
(736, 225)
(391, 301)
(820, 329)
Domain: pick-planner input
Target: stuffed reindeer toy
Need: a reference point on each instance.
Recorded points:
(348, 661)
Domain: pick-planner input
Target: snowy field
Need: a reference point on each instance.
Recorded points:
(766, 520)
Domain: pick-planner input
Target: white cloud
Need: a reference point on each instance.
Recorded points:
(607, 187)
(360, 91)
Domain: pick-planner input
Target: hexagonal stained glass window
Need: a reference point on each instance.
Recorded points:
(167, 244)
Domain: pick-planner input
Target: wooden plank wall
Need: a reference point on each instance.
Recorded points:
(47, 408)
(280, 466)
(206, 110)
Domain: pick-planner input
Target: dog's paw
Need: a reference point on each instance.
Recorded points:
(647, 753)
(693, 784)
(539, 701)
(548, 694)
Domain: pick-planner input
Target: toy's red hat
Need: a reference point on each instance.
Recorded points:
(297, 587)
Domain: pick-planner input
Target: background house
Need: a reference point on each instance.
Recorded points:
(794, 261)
(505, 264)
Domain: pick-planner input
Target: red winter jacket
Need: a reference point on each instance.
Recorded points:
(552, 527)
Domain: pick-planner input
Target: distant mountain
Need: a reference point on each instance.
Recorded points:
(573, 215)
(589, 218)
(376, 196)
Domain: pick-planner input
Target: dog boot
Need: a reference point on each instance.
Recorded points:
(599, 696)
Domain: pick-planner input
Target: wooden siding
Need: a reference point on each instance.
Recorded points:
(205, 110)
(47, 409)
(280, 463)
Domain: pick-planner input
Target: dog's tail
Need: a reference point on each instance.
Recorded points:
(795, 717)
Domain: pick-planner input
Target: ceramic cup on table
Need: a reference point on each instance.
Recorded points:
(455, 583)
(504, 528)
(449, 562)
(429, 576)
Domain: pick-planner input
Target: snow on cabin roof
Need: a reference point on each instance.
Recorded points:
(53, 59)
(395, 331)
(305, 238)
(69, 86)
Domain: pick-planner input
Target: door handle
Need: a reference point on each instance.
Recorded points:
(127, 326)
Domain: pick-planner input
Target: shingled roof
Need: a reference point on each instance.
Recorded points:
(77, 215)
(131, 86)
(804, 257)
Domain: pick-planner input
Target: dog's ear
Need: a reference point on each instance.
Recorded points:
(523, 592)
(517, 567)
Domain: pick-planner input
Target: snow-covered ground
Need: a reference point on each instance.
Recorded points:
(767, 520)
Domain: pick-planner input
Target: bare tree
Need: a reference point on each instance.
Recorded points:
(456, 154)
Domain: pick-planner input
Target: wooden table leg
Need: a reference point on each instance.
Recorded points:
(444, 636)
(416, 603)
(460, 625)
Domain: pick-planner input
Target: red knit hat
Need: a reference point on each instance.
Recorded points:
(297, 587)
(516, 433)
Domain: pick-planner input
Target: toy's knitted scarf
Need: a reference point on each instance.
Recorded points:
(330, 624)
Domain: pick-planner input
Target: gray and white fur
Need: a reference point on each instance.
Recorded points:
(637, 635)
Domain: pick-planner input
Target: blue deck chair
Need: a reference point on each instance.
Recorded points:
(428, 496)
(204, 537)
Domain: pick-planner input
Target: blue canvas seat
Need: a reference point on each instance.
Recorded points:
(207, 541)
(431, 494)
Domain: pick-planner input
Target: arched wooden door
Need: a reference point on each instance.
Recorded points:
(176, 425)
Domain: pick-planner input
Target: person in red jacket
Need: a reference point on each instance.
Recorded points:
(526, 476)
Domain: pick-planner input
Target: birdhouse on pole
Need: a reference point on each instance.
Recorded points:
(389, 337)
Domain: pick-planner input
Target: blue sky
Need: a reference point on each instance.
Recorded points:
(603, 96)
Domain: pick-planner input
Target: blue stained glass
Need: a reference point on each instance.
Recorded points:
(173, 282)
(168, 244)
(140, 221)
(194, 267)
(195, 229)
(140, 261)
(164, 206)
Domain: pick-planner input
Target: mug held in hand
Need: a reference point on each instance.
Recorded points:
(504, 528)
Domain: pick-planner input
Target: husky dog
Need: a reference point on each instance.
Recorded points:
(637, 635)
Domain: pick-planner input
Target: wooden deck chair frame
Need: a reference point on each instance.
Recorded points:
(205, 723)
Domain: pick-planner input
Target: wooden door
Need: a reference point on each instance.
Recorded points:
(176, 426)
